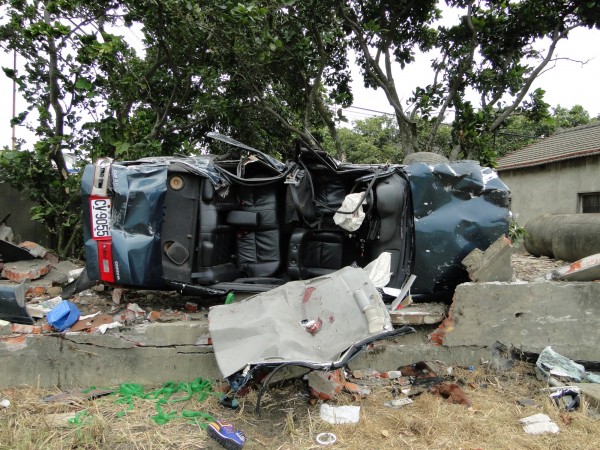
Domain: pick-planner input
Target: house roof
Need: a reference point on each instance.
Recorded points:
(569, 143)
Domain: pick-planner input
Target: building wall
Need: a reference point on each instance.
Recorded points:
(24, 229)
(551, 188)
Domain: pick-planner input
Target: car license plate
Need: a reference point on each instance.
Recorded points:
(100, 210)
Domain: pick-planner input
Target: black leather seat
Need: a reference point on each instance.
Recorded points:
(257, 231)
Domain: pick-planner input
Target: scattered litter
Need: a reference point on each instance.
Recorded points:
(398, 403)
(568, 397)
(551, 364)
(404, 292)
(339, 414)
(42, 308)
(312, 326)
(526, 402)
(102, 328)
(229, 402)
(226, 435)
(326, 438)
(60, 420)
(63, 315)
(75, 396)
(117, 295)
(91, 321)
(81, 418)
(453, 392)
(4, 403)
(539, 424)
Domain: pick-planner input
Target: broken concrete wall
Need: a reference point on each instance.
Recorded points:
(150, 354)
(529, 316)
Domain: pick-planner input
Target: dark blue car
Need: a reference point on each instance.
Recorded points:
(210, 224)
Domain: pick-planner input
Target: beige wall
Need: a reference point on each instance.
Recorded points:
(552, 188)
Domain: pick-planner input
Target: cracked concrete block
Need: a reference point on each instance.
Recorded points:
(5, 328)
(493, 264)
(528, 316)
(21, 270)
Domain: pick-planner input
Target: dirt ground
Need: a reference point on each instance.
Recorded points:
(290, 421)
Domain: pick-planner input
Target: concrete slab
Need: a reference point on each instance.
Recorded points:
(528, 316)
(148, 355)
(154, 353)
(493, 264)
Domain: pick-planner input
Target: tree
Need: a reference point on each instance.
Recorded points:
(52, 37)
(491, 50)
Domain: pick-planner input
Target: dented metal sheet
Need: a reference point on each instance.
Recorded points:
(12, 304)
(313, 321)
(457, 207)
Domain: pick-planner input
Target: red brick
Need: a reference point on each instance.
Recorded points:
(26, 329)
(21, 270)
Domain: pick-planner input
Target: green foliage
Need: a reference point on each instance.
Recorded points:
(267, 71)
(59, 205)
(516, 232)
(492, 51)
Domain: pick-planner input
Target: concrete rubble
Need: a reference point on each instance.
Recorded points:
(155, 329)
(493, 264)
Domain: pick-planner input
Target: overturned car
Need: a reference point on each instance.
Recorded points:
(211, 224)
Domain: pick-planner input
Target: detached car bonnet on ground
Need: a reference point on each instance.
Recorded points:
(210, 224)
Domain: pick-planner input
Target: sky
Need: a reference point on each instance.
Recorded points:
(567, 84)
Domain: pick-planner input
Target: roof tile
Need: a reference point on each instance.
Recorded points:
(569, 143)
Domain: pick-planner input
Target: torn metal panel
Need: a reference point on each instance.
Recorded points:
(268, 328)
(12, 304)
(457, 207)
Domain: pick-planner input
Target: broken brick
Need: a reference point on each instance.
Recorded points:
(26, 329)
(453, 392)
(153, 316)
(325, 385)
(438, 335)
(191, 306)
(36, 250)
(21, 270)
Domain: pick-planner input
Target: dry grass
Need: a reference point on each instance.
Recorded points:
(289, 422)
